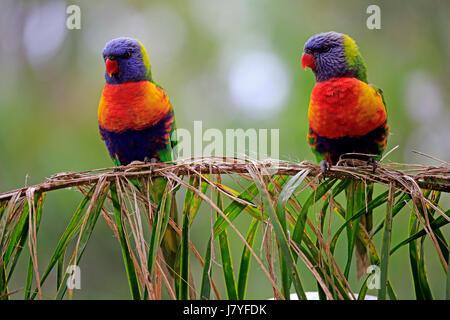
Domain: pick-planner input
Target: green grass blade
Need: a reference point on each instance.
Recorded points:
(299, 228)
(29, 281)
(439, 222)
(284, 196)
(19, 235)
(363, 290)
(189, 199)
(60, 270)
(421, 286)
(442, 243)
(391, 292)
(84, 239)
(349, 213)
(71, 229)
(154, 240)
(234, 209)
(355, 203)
(3, 222)
(190, 207)
(197, 201)
(401, 202)
(165, 197)
(161, 220)
(323, 212)
(30, 264)
(285, 276)
(281, 239)
(227, 266)
(447, 294)
(3, 206)
(129, 267)
(385, 246)
(378, 201)
(246, 259)
(205, 290)
(184, 255)
(17, 242)
(227, 263)
(425, 283)
(3, 282)
(434, 198)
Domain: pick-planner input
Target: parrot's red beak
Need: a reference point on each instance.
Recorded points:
(308, 61)
(111, 67)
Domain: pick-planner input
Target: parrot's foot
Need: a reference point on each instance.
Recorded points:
(372, 162)
(324, 166)
(151, 161)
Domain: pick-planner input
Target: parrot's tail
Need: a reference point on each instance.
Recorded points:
(362, 258)
(171, 240)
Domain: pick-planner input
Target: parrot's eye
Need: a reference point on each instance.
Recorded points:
(325, 48)
(127, 55)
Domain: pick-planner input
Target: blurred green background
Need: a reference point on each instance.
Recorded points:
(230, 64)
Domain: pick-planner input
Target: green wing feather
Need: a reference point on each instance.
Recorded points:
(381, 144)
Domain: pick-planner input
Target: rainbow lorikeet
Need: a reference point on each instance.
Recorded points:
(346, 115)
(136, 120)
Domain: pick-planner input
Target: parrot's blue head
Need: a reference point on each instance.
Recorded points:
(126, 60)
(332, 55)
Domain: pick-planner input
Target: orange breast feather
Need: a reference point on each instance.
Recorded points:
(132, 105)
(345, 107)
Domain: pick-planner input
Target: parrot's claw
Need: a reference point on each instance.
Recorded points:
(324, 166)
(151, 161)
(372, 162)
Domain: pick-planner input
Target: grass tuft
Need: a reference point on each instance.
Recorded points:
(298, 215)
